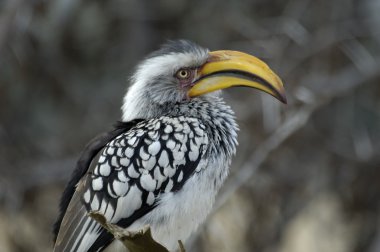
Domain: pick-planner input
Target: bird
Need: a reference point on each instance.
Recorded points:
(164, 162)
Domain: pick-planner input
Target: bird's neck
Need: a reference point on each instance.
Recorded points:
(220, 123)
(221, 127)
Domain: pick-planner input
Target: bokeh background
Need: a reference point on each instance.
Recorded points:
(306, 176)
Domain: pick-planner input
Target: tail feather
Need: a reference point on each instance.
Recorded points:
(78, 231)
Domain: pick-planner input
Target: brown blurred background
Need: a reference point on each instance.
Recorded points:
(307, 175)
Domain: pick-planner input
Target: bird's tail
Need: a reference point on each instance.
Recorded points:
(78, 231)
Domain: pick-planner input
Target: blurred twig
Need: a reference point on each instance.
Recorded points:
(6, 19)
(344, 81)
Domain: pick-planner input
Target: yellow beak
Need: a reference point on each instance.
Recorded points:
(226, 69)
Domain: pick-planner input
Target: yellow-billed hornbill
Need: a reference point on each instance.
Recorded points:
(163, 165)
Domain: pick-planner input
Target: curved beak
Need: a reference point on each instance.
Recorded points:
(226, 69)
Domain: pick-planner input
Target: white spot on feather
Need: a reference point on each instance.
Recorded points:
(95, 203)
(143, 154)
(169, 171)
(129, 152)
(169, 186)
(178, 155)
(86, 196)
(149, 164)
(178, 127)
(170, 144)
(163, 161)
(101, 159)
(154, 148)
(122, 177)
(104, 170)
(157, 125)
(114, 161)
(97, 184)
(168, 129)
(150, 199)
(124, 161)
(193, 155)
(132, 172)
(179, 136)
(180, 176)
(147, 182)
(120, 188)
(110, 150)
(132, 141)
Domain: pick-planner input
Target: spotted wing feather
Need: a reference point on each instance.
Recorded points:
(83, 164)
(134, 169)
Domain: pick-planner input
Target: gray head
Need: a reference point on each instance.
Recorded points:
(164, 77)
(171, 70)
(182, 70)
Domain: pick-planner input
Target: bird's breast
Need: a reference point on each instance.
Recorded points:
(180, 213)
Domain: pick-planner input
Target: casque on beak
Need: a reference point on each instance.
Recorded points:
(226, 69)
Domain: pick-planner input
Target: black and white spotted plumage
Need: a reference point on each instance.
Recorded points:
(163, 170)
(154, 157)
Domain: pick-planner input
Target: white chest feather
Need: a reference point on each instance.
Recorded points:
(179, 214)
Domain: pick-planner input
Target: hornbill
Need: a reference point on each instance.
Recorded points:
(164, 163)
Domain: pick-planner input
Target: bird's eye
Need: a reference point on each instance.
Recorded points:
(183, 74)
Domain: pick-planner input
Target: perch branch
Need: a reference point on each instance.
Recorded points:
(140, 241)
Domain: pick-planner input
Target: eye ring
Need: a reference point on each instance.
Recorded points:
(183, 74)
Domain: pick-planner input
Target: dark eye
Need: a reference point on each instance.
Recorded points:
(183, 74)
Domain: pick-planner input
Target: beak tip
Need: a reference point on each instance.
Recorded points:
(283, 99)
(281, 95)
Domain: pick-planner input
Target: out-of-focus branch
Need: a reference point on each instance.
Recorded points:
(274, 141)
(340, 84)
(6, 19)
(343, 82)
